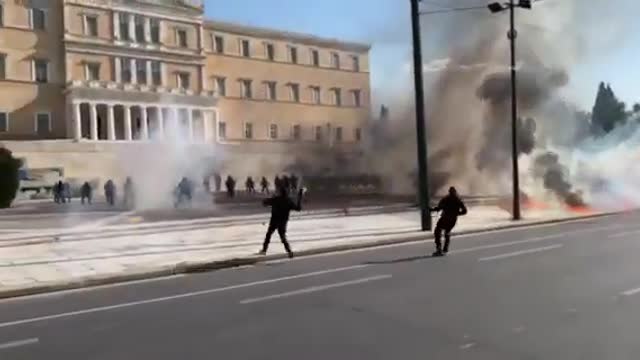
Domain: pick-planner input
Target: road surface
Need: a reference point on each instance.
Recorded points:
(568, 291)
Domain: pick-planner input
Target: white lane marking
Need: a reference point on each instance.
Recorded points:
(313, 289)
(623, 234)
(175, 297)
(18, 343)
(630, 292)
(467, 346)
(521, 252)
(508, 243)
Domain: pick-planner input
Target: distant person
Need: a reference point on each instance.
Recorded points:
(58, 190)
(277, 183)
(184, 192)
(294, 182)
(128, 192)
(231, 186)
(264, 184)
(85, 193)
(451, 207)
(250, 185)
(281, 206)
(286, 183)
(66, 191)
(217, 179)
(110, 192)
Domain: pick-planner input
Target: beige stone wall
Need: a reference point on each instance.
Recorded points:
(76, 65)
(169, 37)
(172, 75)
(74, 21)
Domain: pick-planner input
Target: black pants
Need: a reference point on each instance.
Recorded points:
(85, 197)
(282, 231)
(446, 225)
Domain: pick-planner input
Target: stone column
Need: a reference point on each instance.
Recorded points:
(111, 126)
(128, 134)
(118, 69)
(145, 125)
(77, 122)
(190, 124)
(132, 28)
(147, 30)
(206, 126)
(149, 73)
(160, 122)
(116, 25)
(175, 122)
(93, 111)
(134, 70)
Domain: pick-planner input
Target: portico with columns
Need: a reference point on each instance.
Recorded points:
(95, 117)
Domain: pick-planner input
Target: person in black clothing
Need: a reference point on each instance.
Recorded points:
(281, 206)
(294, 182)
(451, 207)
(250, 185)
(286, 184)
(85, 193)
(217, 179)
(264, 183)
(110, 192)
(277, 183)
(231, 186)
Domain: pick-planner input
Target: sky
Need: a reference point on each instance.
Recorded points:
(385, 25)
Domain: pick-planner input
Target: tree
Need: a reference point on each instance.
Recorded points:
(608, 111)
(9, 177)
(636, 108)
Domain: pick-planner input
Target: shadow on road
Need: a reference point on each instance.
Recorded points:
(397, 261)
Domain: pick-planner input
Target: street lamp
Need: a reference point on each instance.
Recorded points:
(496, 8)
(423, 180)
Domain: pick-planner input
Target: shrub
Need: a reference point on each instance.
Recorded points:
(9, 177)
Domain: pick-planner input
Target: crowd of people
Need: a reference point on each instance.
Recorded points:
(289, 182)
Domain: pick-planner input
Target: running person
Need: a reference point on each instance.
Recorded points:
(451, 207)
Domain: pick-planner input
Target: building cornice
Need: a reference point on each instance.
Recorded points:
(109, 49)
(168, 12)
(307, 39)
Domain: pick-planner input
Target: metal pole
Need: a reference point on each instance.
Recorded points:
(514, 115)
(423, 181)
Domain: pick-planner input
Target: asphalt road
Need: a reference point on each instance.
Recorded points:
(568, 291)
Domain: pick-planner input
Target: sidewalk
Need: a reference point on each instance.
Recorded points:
(121, 256)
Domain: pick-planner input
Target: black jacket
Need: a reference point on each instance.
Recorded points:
(451, 207)
(281, 206)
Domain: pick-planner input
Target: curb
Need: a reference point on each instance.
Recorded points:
(205, 266)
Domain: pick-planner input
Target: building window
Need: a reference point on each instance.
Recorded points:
(41, 70)
(295, 92)
(315, 57)
(245, 89)
(124, 27)
(293, 54)
(316, 97)
(181, 38)
(125, 74)
(218, 44)
(3, 66)
(270, 51)
(220, 86)
(184, 80)
(4, 122)
(141, 71)
(318, 133)
(336, 97)
(245, 48)
(38, 19)
(156, 73)
(91, 25)
(355, 63)
(248, 131)
(358, 134)
(270, 89)
(155, 31)
(297, 132)
(335, 60)
(139, 22)
(338, 134)
(273, 131)
(222, 130)
(355, 97)
(93, 71)
(43, 123)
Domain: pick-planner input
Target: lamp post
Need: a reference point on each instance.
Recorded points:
(495, 8)
(423, 179)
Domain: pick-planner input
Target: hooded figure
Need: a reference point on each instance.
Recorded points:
(110, 192)
(85, 192)
(451, 207)
(281, 206)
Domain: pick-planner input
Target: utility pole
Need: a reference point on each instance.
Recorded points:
(514, 114)
(423, 180)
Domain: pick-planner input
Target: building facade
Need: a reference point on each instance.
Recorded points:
(123, 71)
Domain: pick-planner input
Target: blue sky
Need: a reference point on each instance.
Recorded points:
(385, 24)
